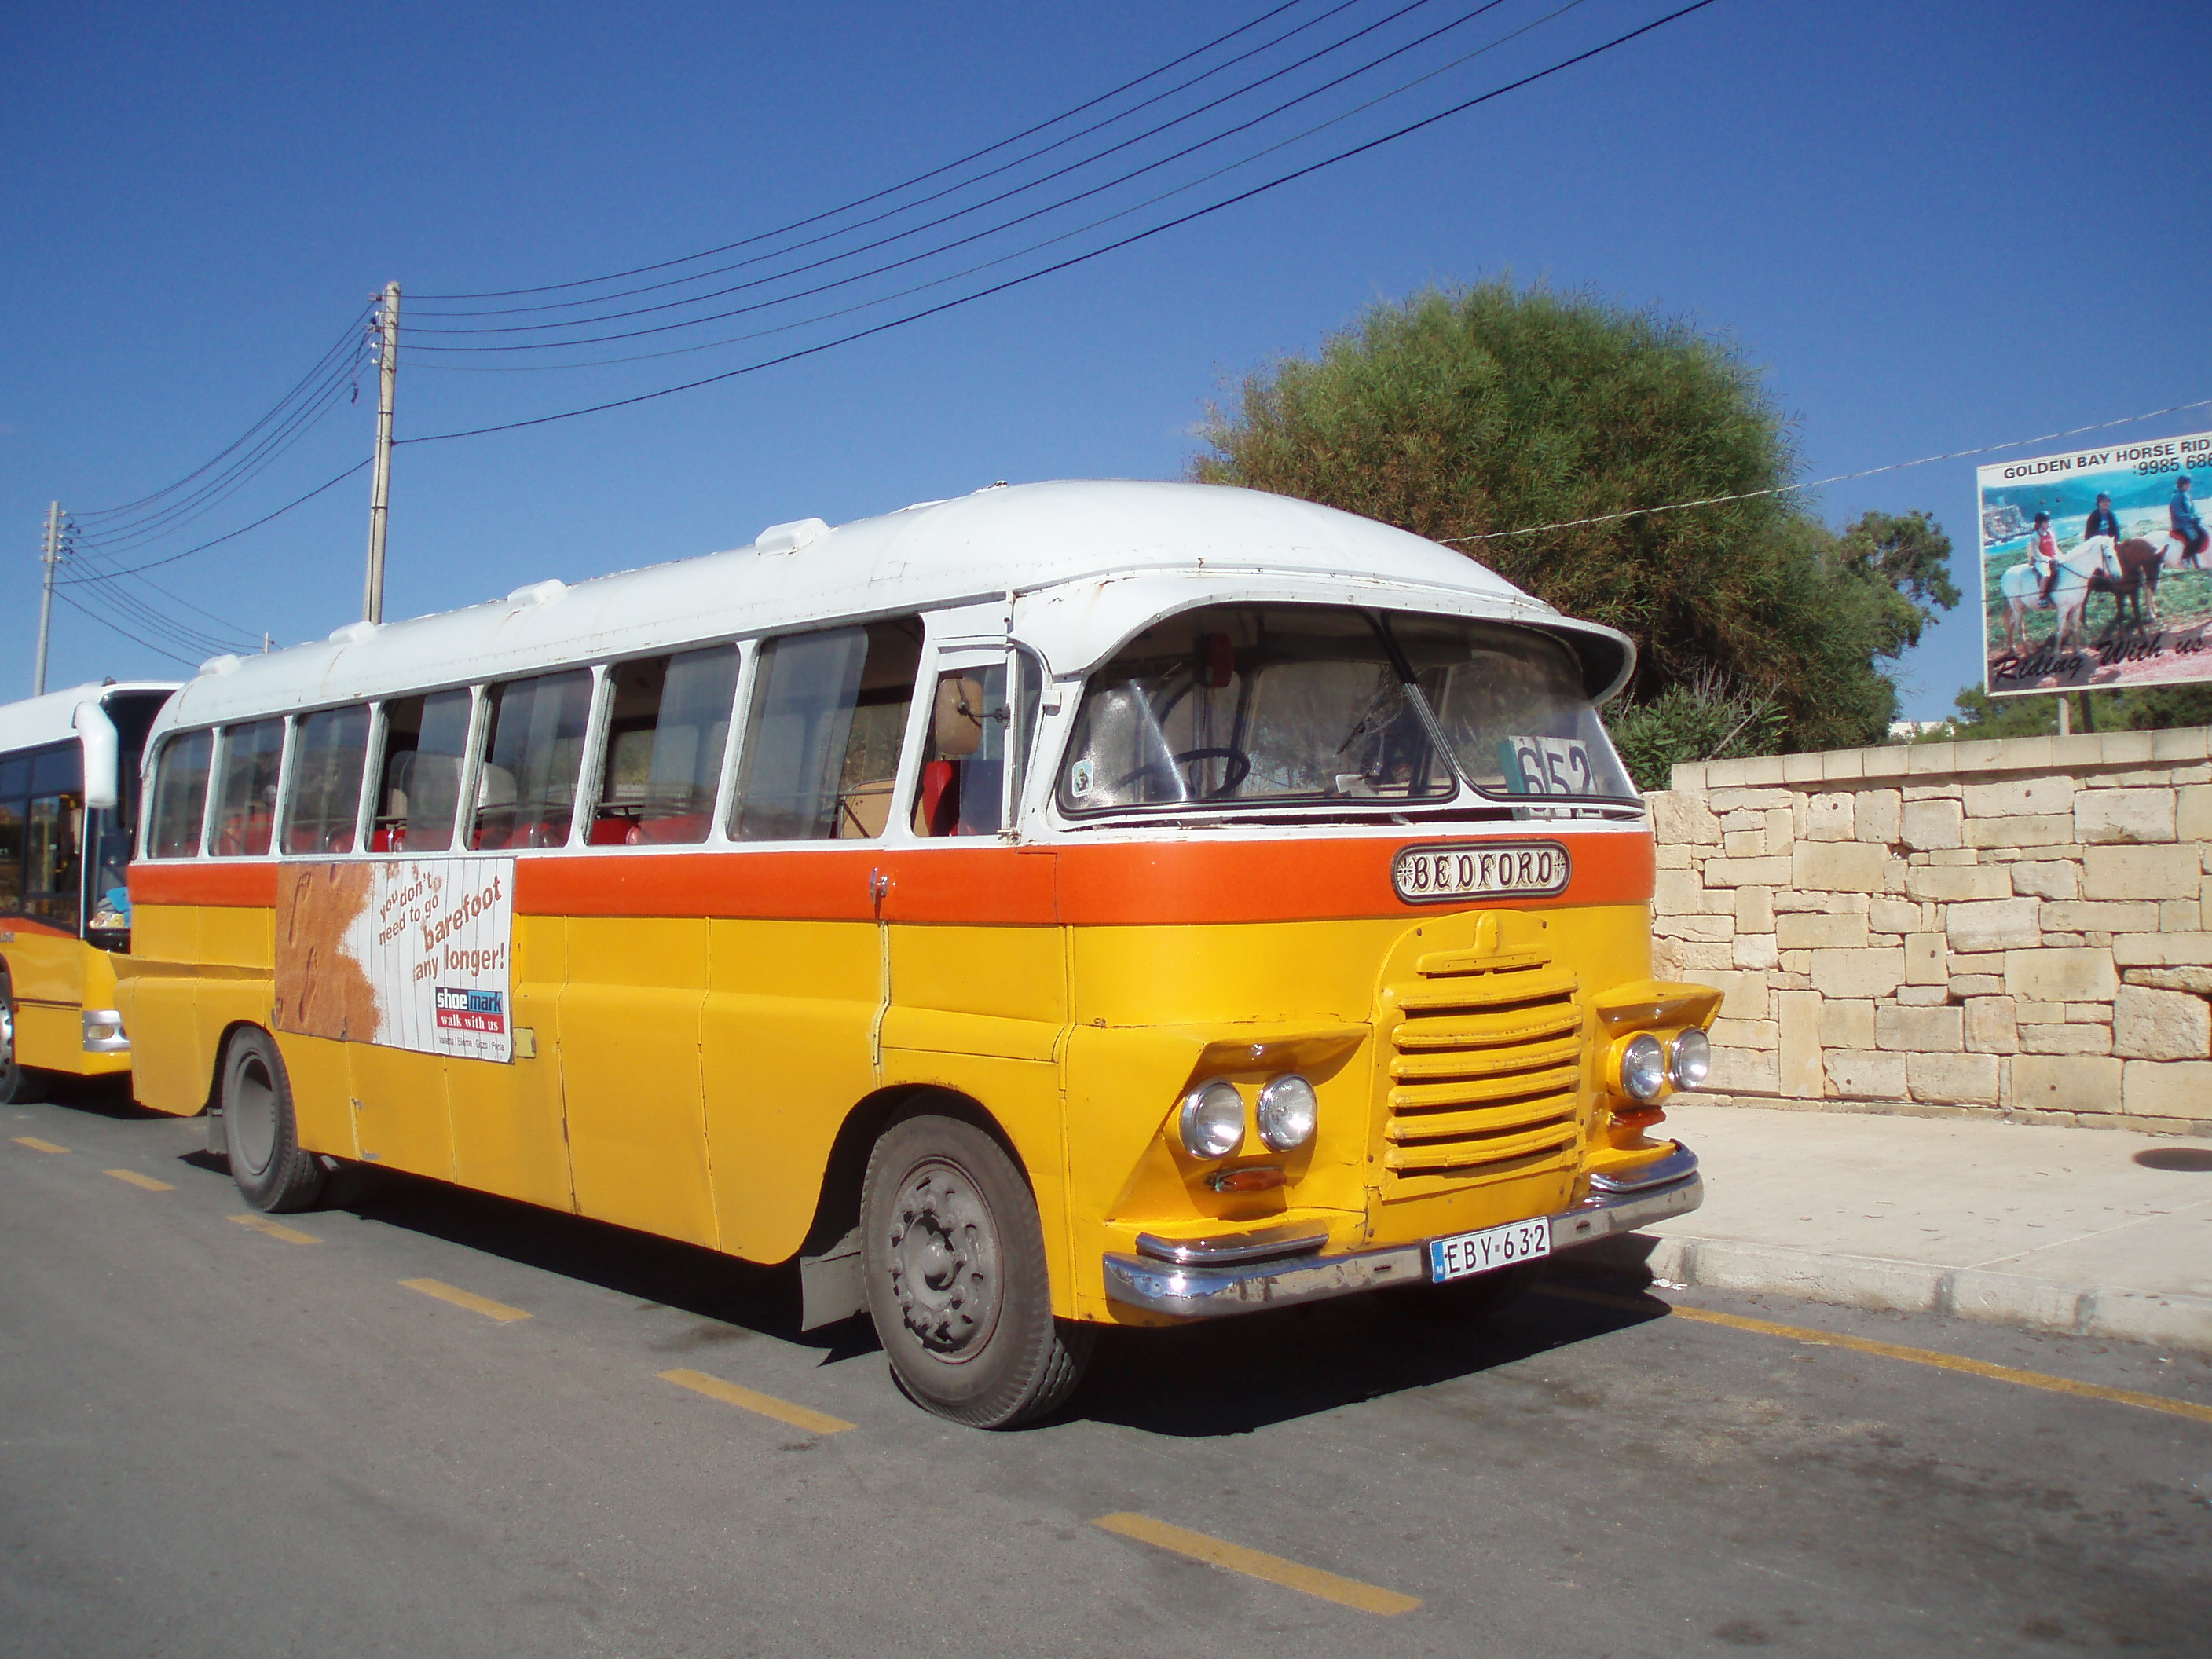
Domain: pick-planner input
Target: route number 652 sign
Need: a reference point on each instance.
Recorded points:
(1550, 766)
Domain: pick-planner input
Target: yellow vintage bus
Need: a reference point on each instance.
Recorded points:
(68, 802)
(1071, 904)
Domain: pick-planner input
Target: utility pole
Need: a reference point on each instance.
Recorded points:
(51, 556)
(379, 486)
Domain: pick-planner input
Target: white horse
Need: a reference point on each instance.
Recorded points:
(2022, 587)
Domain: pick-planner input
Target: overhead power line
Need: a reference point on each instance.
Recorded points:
(210, 494)
(297, 501)
(937, 195)
(350, 338)
(1054, 240)
(987, 201)
(958, 301)
(114, 627)
(889, 190)
(974, 236)
(1818, 483)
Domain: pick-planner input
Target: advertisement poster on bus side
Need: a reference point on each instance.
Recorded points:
(405, 953)
(2096, 570)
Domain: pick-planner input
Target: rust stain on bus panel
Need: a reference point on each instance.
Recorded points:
(320, 990)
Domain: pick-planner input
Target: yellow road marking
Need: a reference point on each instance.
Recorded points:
(38, 1145)
(1218, 1552)
(262, 1223)
(138, 1180)
(469, 1299)
(1949, 1362)
(749, 1399)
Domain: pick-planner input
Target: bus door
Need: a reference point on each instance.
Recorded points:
(977, 991)
(41, 827)
(796, 975)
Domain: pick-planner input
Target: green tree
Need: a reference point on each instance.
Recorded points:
(2135, 709)
(1911, 556)
(1523, 422)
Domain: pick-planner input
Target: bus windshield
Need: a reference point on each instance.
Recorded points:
(1275, 705)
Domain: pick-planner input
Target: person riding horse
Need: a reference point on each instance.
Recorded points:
(2043, 554)
(2187, 527)
(2102, 521)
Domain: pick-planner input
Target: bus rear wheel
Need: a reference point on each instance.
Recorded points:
(274, 1173)
(957, 1287)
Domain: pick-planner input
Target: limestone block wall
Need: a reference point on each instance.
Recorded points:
(2020, 926)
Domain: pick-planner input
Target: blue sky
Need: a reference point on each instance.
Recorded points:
(1934, 227)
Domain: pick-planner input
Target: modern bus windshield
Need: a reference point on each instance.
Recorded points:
(1277, 705)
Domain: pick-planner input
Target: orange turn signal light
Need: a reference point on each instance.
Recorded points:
(1258, 1179)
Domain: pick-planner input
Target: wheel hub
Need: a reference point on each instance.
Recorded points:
(944, 1261)
(249, 1107)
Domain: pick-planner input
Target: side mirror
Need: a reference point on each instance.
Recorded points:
(96, 735)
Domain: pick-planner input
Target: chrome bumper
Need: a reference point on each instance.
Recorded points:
(1195, 1282)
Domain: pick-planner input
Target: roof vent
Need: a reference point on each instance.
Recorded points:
(790, 537)
(222, 665)
(354, 632)
(543, 593)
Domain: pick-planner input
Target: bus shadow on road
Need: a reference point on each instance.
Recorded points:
(99, 1096)
(1217, 1377)
(644, 1266)
(1237, 1376)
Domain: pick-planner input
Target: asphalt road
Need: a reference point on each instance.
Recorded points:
(216, 1440)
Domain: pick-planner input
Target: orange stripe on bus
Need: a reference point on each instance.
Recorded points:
(1116, 884)
(1138, 882)
(22, 927)
(243, 885)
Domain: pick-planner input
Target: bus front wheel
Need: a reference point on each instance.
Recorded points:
(274, 1173)
(19, 1084)
(957, 1287)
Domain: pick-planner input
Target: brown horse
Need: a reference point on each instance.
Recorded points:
(2140, 562)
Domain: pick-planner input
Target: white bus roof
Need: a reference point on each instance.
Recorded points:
(1086, 565)
(36, 721)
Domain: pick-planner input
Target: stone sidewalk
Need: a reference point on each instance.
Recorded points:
(2066, 1230)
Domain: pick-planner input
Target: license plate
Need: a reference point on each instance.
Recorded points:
(1493, 1247)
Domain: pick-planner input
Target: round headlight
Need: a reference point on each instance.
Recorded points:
(1693, 1058)
(1287, 1113)
(1213, 1121)
(1643, 1066)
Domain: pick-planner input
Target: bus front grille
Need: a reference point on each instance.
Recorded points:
(1485, 1068)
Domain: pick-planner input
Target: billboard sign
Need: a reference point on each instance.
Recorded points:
(2096, 571)
(407, 954)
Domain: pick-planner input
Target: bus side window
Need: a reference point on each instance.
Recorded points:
(14, 785)
(822, 736)
(180, 787)
(53, 833)
(963, 776)
(533, 753)
(328, 750)
(245, 804)
(669, 724)
(419, 785)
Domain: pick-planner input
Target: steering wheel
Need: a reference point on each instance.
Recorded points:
(1239, 769)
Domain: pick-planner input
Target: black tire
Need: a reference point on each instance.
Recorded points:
(1461, 1301)
(274, 1174)
(954, 1258)
(19, 1084)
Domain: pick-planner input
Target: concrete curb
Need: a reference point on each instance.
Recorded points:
(1855, 1281)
